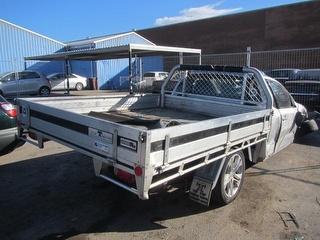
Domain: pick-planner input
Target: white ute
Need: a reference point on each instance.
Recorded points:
(206, 120)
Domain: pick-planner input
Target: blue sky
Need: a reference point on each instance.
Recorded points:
(66, 20)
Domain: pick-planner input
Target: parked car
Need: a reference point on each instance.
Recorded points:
(305, 88)
(151, 81)
(306, 92)
(59, 81)
(24, 83)
(155, 76)
(8, 126)
(308, 74)
(283, 75)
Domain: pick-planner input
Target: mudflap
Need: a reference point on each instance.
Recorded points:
(200, 191)
(204, 181)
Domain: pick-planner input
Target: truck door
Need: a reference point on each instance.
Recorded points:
(285, 113)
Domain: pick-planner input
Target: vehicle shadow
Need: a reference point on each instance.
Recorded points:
(282, 173)
(312, 139)
(57, 196)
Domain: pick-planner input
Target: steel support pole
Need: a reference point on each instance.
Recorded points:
(91, 62)
(140, 69)
(67, 75)
(130, 72)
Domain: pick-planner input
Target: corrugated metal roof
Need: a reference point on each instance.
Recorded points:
(27, 30)
(88, 40)
(99, 39)
(139, 50)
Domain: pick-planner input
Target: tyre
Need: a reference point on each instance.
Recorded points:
(231, 179)
(79, 86)
(309, 126)
(44, 91)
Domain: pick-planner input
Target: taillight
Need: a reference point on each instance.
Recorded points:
(124, 176)
(9, 109)
(138, 171)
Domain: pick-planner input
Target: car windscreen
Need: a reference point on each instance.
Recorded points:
(149, 75)
(56, 76)
(3, 74)
(9, 77)
(51, 75)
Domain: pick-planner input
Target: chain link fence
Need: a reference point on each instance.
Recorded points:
(297, 69)
(308, 58)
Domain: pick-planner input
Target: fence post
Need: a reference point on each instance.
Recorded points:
(180, 58)
(248, 56)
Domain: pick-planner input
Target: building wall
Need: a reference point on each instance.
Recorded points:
(152, 64)
(17, 43)
(116, 71)
(84, 68)
(284, 27)
(111, 73)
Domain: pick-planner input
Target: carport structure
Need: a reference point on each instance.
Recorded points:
(126, 51)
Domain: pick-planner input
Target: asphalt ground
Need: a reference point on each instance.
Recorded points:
(52, 193)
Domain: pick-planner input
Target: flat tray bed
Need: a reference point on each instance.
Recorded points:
(151, 118)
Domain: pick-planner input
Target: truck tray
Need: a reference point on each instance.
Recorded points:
(151, 118)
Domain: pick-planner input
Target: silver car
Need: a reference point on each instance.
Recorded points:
(24, 83)
(58, 81)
